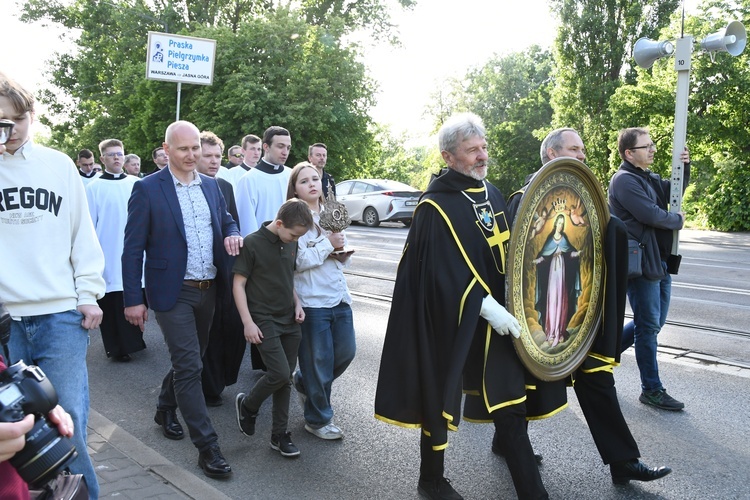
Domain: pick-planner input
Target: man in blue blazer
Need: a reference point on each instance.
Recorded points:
(179, 218)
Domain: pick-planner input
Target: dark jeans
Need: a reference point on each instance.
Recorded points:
(649, 300)
(185, 328)
(279, 352)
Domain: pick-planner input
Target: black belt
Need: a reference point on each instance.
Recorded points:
(199, 284)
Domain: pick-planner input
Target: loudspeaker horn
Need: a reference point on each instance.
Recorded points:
(647, 51)
(731, 39)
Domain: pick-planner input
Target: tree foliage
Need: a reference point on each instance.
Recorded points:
(273, 67)
(592, 45)
(511, 94)
(718, 132)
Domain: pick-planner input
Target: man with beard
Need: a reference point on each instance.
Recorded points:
(447, 321)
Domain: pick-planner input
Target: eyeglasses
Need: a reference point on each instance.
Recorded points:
(650, 147)
(113, 155)
(238, 155)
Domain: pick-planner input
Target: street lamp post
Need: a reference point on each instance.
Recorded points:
(732, 39)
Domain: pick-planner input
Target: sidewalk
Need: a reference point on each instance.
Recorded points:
(714, 237)
(127, 468)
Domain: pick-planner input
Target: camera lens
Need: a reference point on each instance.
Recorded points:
(6, 130)
(46, 452)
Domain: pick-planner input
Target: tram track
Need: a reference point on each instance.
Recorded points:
(702, 357)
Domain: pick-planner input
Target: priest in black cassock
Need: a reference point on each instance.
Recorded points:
(448, 329)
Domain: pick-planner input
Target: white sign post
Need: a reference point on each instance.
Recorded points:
(176, 58)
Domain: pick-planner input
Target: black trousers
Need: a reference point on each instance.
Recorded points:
(118, 335)
(226, 347)
(598, 399)
(510, 425)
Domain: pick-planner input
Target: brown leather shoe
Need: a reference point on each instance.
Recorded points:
(170, 426)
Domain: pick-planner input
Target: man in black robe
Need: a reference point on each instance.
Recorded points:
(594, 381)
(226, 342)
(446, 303)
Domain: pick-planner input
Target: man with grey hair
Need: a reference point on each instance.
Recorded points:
(594, 380)
(450, 326)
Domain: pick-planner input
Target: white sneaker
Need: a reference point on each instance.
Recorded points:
(328, 431)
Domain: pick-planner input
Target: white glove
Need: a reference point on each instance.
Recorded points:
(499, 318)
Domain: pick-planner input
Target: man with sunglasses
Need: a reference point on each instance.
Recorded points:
(640, 199)
(235, 156)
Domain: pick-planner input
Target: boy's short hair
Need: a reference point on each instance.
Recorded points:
(249, 139)
(110, 143)
(21, 98)
(208, 137)
(272, 132)
(156, 150)
(85, 153)
(295, 212)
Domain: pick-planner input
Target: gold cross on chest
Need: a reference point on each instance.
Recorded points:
(498, 239)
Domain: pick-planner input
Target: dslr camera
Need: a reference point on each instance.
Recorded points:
(24, 390)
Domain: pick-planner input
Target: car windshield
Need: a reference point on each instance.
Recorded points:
(387, 185)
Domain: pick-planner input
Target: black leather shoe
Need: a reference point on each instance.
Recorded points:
(170, 426)
(213, 463)
(214, 401)
(497, 451)
(635, 470)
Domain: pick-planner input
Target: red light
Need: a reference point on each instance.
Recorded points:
(387, 193)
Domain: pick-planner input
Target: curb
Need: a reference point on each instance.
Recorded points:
(151, 462)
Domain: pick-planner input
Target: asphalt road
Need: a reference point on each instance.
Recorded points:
(707, 445)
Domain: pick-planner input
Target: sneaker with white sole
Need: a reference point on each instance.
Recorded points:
(245, 419)
(283, 444)
(328, 431)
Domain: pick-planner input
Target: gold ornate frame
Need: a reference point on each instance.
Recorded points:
(544, 273)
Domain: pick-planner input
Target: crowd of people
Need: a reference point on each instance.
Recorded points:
(230, 255)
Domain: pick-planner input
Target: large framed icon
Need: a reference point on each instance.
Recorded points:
(556, 271)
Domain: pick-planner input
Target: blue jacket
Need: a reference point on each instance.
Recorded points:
(155, 226)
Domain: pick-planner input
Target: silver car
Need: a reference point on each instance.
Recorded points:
(372, 201)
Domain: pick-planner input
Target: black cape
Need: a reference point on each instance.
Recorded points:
(436, 342)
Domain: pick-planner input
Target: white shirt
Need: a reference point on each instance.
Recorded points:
(108, 197)
(259, 195)
(318, 279)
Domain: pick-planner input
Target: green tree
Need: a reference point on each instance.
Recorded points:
(370, 15)
(272, 67)
(391, 158)
(718, 134)
(591, 49)
(512, 93)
